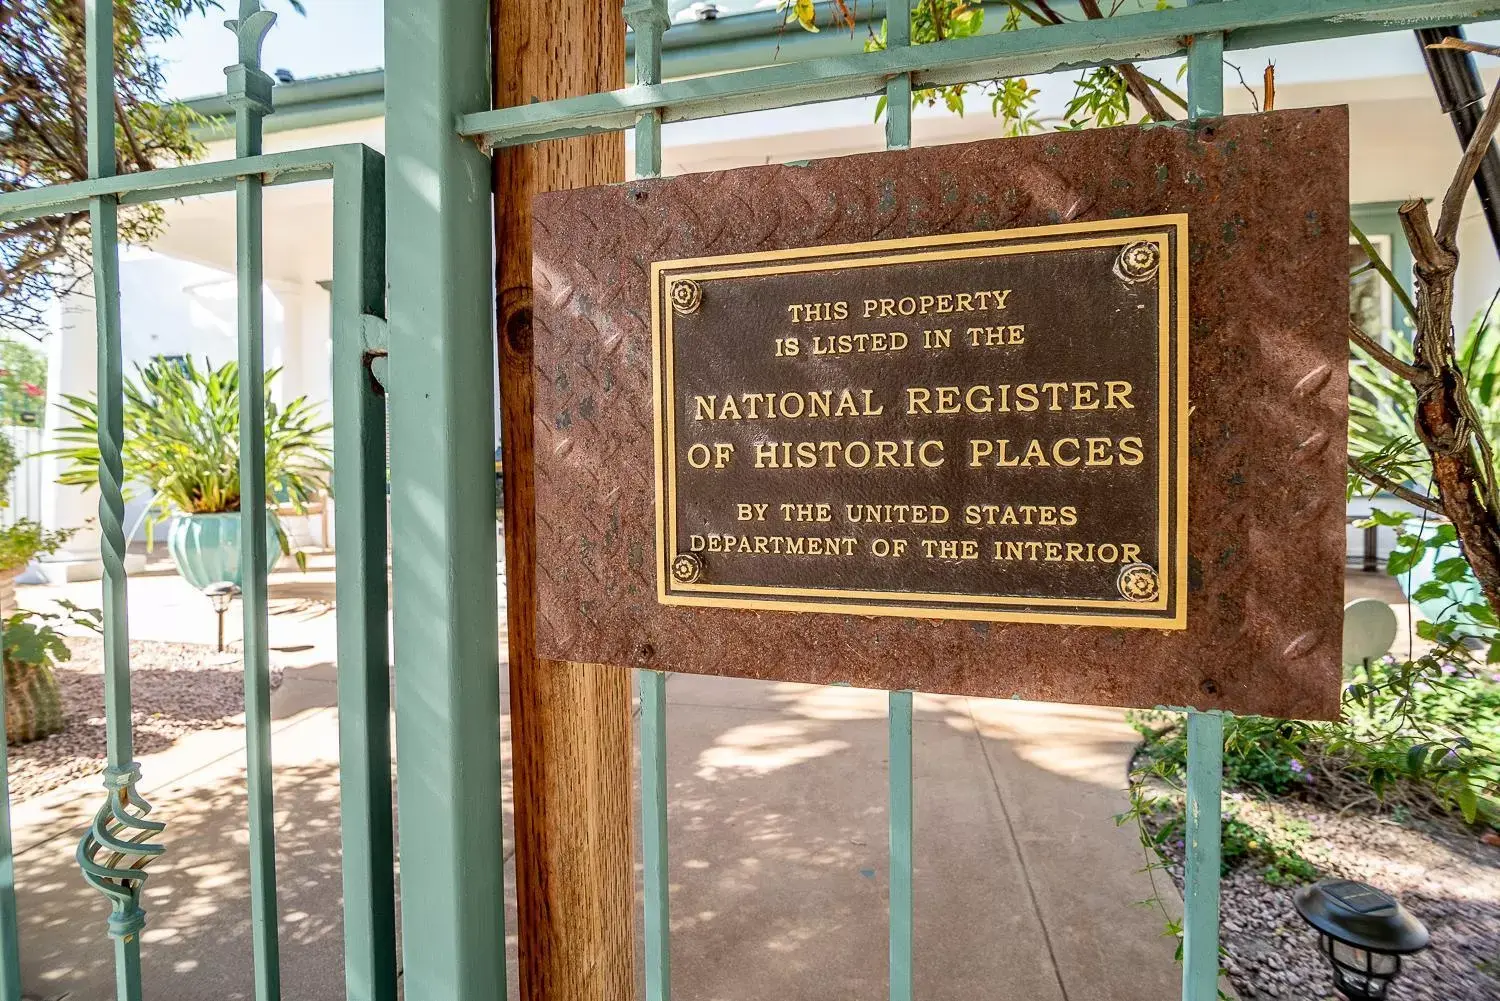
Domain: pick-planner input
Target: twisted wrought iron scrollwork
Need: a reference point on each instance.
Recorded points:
(116, 849)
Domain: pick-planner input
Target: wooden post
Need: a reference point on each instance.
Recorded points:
(570, 723)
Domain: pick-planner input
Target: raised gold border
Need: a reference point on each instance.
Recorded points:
(1172, 396)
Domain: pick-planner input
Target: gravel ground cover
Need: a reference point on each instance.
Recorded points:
(1446, 876)
(176, 688)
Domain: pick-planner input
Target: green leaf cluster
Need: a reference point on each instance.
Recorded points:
(31, 641)
(24, 540)
(43, 83)
(182, 435)
(1099, 99)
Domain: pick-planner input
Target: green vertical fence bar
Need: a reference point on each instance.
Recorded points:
(10, 938)
(115, 850)
(898, 88)
(901, 917)
(899, 806)
(442, 400)
(360, 580)
(250, 96)
(1200, 926)
(1200, 935)
(1205, 72)
(653, 736)
(648, 19)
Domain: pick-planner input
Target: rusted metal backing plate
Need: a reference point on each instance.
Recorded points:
(1265, 200)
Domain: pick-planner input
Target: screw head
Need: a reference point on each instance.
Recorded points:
(687, 567)
(687, 296)
(1138, 582)
(1138, 262)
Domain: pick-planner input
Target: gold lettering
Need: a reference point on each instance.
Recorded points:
(1057, 451)
(1099, 452)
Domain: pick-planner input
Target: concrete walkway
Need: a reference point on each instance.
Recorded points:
(1025, 888)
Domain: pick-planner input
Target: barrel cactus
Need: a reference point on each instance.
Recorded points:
(33, 703)
(32, 648)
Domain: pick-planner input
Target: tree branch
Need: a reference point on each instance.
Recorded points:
(1166, 91)
(1464, 45)
(1026, 8)
(135, 147)
(1135, 80)
(1463, 176)
(34, 227)
(1416, 376)
(1390, 486)
(937, 21)
(79, 169)
(1051, 14)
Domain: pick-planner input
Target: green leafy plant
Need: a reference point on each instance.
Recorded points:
(1101, 97)
(32, 649)
(1382, 408)
(42, 79)
(10, 461)
(182, 431)
(24, 540)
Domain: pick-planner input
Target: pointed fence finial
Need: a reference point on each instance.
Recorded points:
(250, 86)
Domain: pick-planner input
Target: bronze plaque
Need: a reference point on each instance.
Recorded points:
(1233, 348)
(982, 426)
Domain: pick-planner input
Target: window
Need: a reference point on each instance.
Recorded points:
(1371, 304)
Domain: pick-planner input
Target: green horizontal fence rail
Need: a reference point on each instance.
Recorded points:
(1244, 23)
(438, 95)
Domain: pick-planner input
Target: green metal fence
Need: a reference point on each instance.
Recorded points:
(429, 196)
(123, 839)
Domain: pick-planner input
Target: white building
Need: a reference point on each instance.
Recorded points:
(178, 298)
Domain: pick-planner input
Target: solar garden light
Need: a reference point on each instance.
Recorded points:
(221, 595)
(1363, 931)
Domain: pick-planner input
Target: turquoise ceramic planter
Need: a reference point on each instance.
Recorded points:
(1467, 590)
(206, 547)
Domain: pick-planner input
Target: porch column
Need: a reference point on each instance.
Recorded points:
(304, 353)
(71, 370)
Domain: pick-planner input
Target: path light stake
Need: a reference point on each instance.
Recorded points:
(1363, 931)
(221, 596)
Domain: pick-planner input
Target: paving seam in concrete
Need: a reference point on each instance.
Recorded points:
(1010, 828)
